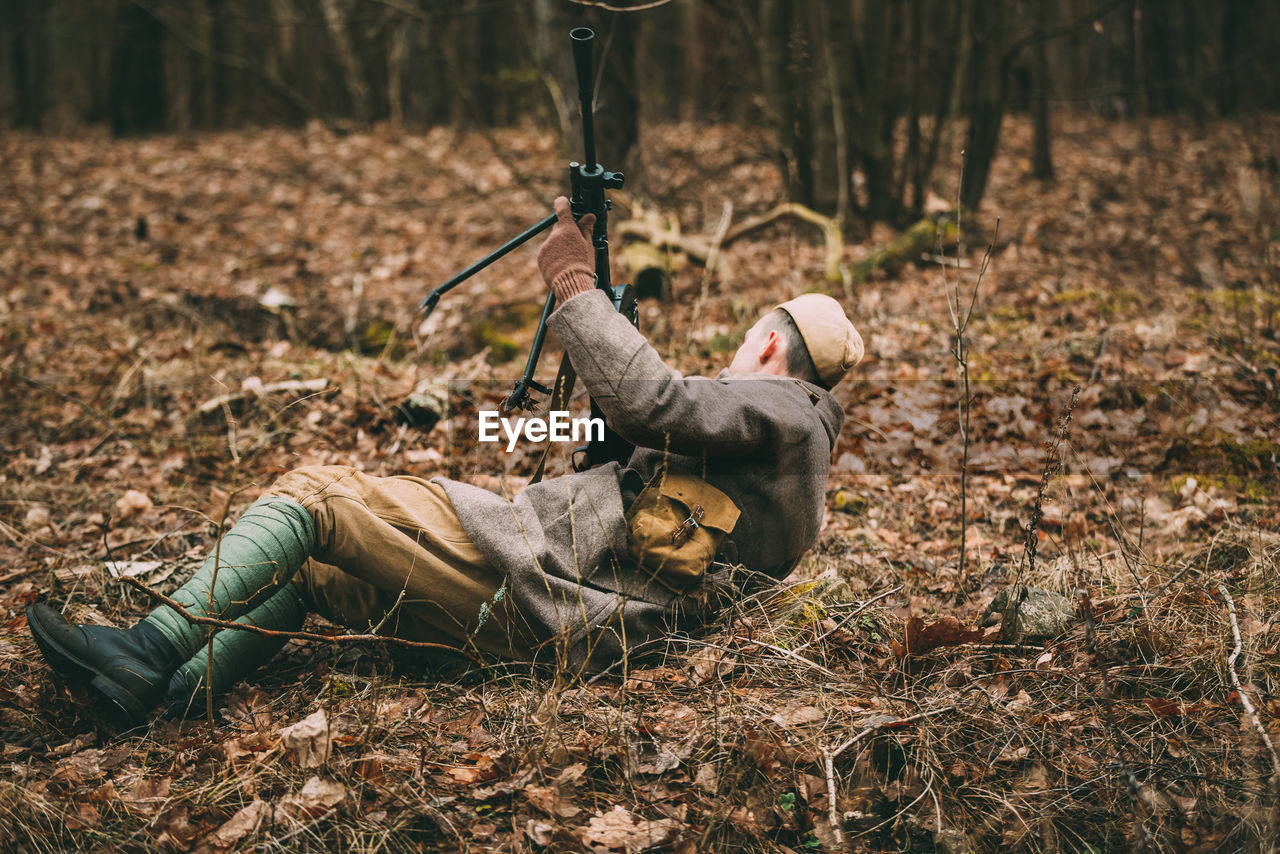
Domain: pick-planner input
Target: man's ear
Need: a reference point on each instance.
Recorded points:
(770, 347)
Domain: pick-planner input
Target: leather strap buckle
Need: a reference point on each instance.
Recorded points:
(681, 534)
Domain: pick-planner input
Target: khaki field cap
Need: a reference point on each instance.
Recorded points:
(834, 345)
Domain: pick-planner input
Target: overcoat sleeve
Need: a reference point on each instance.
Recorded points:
(654, 406)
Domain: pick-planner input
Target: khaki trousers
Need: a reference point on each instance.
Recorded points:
(394, 545)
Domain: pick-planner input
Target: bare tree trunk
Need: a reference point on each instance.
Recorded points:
(358, 90)
(1229, 83)
(784, 41)
(1139, 62)
(773, 31)
(1041, 156)
(692, 82)
(177, 64)
(285, 17)
(844, 181)
(944, 109)
(29, 61)
(874, 123)
(397, 63)
(914, 22)
(137, 72)
(989, 88)
(203, 36)
(283, 61)
(550, 55)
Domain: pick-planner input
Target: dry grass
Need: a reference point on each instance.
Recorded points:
(1124, 732)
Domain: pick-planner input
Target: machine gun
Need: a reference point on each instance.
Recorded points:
(587, 181)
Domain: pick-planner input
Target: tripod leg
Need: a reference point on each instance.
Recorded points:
(519, 240)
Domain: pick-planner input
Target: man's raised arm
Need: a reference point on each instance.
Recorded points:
(645, 401)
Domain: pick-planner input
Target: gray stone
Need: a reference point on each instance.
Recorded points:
(1042, 614)
(951, 841)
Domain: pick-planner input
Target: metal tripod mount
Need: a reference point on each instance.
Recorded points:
(588, 182)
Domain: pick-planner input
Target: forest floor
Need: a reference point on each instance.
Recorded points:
(186, 318)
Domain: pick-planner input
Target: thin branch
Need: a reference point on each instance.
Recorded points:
(833, 815)
(609, 7)
(896, 722)
(1240, 692)
(789, 654)
(829, 759)
(717, 239)
(272, 633)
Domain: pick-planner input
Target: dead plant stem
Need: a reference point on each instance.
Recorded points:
(960, 317)
(1052, 466)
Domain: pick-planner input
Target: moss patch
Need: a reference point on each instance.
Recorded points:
(1250, 468)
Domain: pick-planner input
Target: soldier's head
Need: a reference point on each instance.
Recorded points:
(808, 338)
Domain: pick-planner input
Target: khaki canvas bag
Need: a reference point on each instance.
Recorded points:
(675, 527)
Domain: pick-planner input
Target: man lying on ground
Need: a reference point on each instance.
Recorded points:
(730, 470)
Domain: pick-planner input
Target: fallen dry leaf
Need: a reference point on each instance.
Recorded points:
(945, 631)
(619, 830)
(709, 662)
(797, 714)
(548, 799)
(149, 796)
(133, 503)
(85, 816)
(316, 796)
(237, 827)
(80, 767)
(308, 740)
(540, 832)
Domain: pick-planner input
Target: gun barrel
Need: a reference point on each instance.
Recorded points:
(582, 38)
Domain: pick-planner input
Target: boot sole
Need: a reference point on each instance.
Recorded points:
(116, 703)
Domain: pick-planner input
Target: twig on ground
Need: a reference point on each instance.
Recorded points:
(303, 386)
(311, 636)
(794, 657)
(829, 758)
(829, 764)
(17, 573)
(1242, 694)
(609, 7)
(896, 722)
(400, 598)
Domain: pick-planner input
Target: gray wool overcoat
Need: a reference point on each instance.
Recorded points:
(765, 441)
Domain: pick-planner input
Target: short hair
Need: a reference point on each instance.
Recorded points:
(799, 362)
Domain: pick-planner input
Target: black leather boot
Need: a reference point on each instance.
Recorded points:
(125, 672)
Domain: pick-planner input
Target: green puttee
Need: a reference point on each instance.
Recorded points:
(255, 559)
(237, 653)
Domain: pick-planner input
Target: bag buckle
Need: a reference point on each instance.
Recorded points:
(685, 529)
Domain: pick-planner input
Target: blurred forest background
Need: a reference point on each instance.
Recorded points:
(860, 96)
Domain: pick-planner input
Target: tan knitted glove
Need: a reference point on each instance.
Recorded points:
(567, 260)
